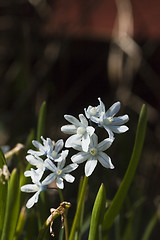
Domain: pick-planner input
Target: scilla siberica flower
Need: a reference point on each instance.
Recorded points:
(94, 154)
(106, 119)
(59, 172)
(47, 149)
(79, 129)
(36, 187)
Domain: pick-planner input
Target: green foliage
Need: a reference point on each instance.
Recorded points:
(12, 207)
(3, 192)
(97, 215)
(117, 202)
(41, 121)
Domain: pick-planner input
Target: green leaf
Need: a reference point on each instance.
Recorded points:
(77, 217)
(12, 207)
(97, 214)
(150, 227)
(117, 202)
(41, 121)
(3, 192)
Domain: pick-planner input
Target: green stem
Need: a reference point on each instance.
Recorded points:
(65, 215)
(79, 207)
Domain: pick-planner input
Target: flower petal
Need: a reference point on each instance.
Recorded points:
(85, 142)
(113, 109)
(83, 120)
(72, 140)
(38, 145)
(102, 106)
(80, 157)
(71, 167)
(50, 178)
(90, 166)
(105, 144)
(50, 165)
(59, 183)
(30, 188)
(105, 160)
(120, 120)
(33, 200)
(59, 145)
(72, 120)
(69, 178)
(94, 140)
(119, 129)
(69, 129)
(90, 130)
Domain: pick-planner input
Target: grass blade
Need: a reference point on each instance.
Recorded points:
(41, 121)
(126, 182)
(97, 214)
(77, 217)
(12, 207)
(3, 192)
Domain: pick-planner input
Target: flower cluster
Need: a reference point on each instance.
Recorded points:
(50, 157)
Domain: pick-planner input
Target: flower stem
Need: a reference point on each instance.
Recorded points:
(79, 207)
(65, 215)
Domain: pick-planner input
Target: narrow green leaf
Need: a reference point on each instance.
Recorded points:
(97, 214)
(3, 192)
(77, 217)
(41, 121)
(150, 227)
(21, 223)
(12, 207)
(117, 202)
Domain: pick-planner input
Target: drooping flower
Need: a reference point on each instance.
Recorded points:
(95, 153)
(36, 187)
(107, 119)
(79, 129)
(59, 172)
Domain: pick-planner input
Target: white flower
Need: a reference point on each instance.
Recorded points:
(79, 129)
(36, 187)
(48, 149)
(107, 120)
(59, 172)
(36, 161)
(95, 153)
(43, 149)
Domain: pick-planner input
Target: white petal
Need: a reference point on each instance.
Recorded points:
(70, 168)
(72, 140)
(113, 109)
(59, 145)
(83, 120)
(105, 160)
(85, 142)
(119, 129)
(90, 130)
(69, 129)
(80, 157)
(69, 178)
(33, 200)
(105, 144)
(90, 166)
(120, 120)
(102, 106)
(35, 153)
(34, 160)
(50, 165)
(30, 188)
(59, 183)
(72, 120)
(37, 144)
(50, 178)
(93, 140)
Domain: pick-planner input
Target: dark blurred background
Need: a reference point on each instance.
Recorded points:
(69, 53)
